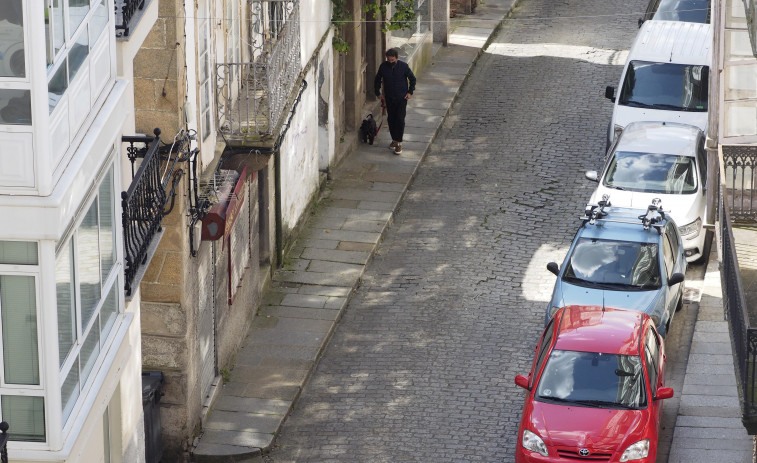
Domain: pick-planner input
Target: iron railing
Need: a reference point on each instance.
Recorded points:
(743, 336)
(252, 97)
(142, 206)
(741, 181)
(126, 10)
(4, 442)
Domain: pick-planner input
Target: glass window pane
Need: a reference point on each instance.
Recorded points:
(77, 10)
(66, 298)
(15, 107)
(18, 306)
(69, 391)
(89, 352)
(98, 22)
(57, 85)
(26, 415)
(88, 264)
(77, 55)
(12, 39)
(109, 311)
(18, 252)
(107, 229)
(58, 27)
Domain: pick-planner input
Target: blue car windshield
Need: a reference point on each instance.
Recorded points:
(666, 86)
(614, 265)
(651, 173)
(593, 379)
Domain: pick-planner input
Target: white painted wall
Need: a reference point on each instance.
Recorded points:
(299, 157)
(315, 21)
(301, 154)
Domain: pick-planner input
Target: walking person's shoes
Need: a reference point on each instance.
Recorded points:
(398, 148)
(392, 145)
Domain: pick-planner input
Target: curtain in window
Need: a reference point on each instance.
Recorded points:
(18, 253)
(18, 308)
(26, 415)
(88, 264)
(64, 289)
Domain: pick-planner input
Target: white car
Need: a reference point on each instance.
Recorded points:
(665, 77)
(664, 160)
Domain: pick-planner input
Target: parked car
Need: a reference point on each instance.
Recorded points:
(695, 11)
(623, 258)
(662, 160)
(665, 77)
(595, 389)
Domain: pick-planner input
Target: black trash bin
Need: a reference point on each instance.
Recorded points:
(151, 394)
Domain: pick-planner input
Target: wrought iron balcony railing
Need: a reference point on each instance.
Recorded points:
(252, 98)
(142, 205)
(741, 182)
(126, 11)
(4, 442)
(150, 197)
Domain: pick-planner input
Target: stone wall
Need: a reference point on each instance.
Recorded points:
(159, 72)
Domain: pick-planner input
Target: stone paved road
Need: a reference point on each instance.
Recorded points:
(421, 367)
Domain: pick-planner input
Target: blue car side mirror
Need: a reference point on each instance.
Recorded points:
(552, 267)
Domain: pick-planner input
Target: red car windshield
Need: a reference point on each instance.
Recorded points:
(593, 379)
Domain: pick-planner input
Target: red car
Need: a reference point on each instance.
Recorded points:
(595, 389)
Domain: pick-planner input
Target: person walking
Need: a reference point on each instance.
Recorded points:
(399, 85)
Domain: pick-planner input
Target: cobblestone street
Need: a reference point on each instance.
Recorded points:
(421, 366)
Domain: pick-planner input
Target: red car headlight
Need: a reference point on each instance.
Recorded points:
(534, 443)
(636, 451)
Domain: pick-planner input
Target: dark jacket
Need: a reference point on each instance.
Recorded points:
(399, 80)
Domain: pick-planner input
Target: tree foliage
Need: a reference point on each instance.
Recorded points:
(403, 17)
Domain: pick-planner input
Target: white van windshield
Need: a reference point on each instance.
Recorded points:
(693, 11)
(667, 86)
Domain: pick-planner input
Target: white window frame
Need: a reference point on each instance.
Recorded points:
(111, 282)
(204, 57)
(70, 38)
(25, 40)
(28, 390)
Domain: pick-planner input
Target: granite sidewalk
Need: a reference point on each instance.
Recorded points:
(708, 427)
(325, 266)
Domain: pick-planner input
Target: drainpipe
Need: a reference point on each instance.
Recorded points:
(713, 117)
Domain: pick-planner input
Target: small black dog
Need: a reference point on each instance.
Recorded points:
(368, 129)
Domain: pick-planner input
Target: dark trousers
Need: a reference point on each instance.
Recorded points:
(395, 117)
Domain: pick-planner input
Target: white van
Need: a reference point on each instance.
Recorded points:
(665, 77)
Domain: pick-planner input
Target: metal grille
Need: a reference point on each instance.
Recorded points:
(252, 97)
(218, 187)
(239, 245)
(741, 181)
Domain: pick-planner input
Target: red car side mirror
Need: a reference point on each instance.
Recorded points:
(522, 381)
(664, 393)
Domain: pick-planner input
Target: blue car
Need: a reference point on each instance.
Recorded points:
(623, 258)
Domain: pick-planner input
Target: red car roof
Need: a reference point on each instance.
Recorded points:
(597, 329)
